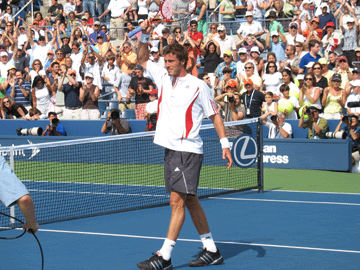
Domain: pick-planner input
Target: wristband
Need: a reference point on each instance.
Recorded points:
(224, 143)
(144, 38)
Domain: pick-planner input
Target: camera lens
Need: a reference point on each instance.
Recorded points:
(115, 115)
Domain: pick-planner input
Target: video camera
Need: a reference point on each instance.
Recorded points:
(36, 131)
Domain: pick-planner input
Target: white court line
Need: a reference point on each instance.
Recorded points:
(283, 201)
(316, 192)
(192, 240)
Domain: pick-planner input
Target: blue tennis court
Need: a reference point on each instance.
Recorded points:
(272, 230)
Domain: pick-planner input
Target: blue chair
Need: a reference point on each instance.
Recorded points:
(128, 114)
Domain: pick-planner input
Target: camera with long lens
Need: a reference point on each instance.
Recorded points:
(54, 122)
(153, 118)
(36, 131)
(273, 118)
(336, 135)
(115, 115)
(231, 99)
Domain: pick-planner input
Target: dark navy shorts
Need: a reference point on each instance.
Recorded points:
(182, 171)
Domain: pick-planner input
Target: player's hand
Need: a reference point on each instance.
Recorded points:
(31, 227)
(227, 155)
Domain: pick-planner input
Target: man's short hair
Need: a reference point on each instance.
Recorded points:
(202, 75)
(193, 22)
(54, 64)
(166, 31)
(227, 69)
(21, 71)
(179, 51)
(312, 43)
(41, 38)
(332, 52)
(132, 66)
(52, 113)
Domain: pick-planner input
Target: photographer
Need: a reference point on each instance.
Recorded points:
(352, 130)
(151, 122)
(114, 124)
(55, 128)
(317, 126)
(278, 128)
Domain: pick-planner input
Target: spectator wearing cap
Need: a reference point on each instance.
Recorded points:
(140, 87)
(86, 29)
(90, 6)
(92, 66)
(325, 16)
(332, 40)
(350, 33)
(252, 99)
(225, 100)
(334, 99)
(256, 6)
(291, 61)
(255, 55)
(20, 60)
(274, 25)
(94, 35)
(6, 63)
(156, 34)
(345, 9)
(228, 62)
(226, 78)
(64, 44)
(54, 10)
(37, 30)
(191, 63)
(351, 106)
(249, 42)
(71, 90)
(40, 49)
(89, 95)
(343, 68)
(104, 47)
(311, 56)
(22, 38)
(244, 58)
(156, 58)
(313, 31)
(325, 70)
(305, 13)
(79, 9)
(278, 128)
(119, 10)
(293, 33)
(251, 27)
(276, 46)
(226, 43)
(350, 84)
(127, 57)
(317, 126)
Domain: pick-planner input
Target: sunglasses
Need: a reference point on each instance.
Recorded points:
(317, 68)
(297, 45)
(271, 66)
(206, 78)
(6, 101)
(36, 64)
(336, 81)
(248, 67)
(293, 27)
(220, 31)
(227, 56)
(88, 78)
(177, 32)
(72, 74)
(212, 27)
(91, 57)
(226, 72)
(308, 79)
(343, 61)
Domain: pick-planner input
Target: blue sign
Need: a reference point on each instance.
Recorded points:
(244, 151)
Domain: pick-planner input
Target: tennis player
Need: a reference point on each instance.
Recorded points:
(12, 191)
(183, 102)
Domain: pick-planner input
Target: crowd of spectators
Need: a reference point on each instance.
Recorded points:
(252, 65)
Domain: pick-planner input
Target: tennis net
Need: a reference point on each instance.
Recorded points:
(89, 177)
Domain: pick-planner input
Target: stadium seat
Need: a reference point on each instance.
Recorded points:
(128, 114)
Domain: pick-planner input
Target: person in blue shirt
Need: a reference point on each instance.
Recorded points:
(312, 56)
(97, 31)
(55, 128)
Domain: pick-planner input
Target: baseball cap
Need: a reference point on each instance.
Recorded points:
(84, 37)
(3, 54)
(350, 20)
(294, 24)
(330, 24)
(310, 64)
(300, 38)
(315, 20)
(343, 57)
(323, 4)
(315, 106)
(323, 61)
(255, 49)
(99, 36)
(300, 77)
(274, 33)
(35, 22)
(248, 81)
(221, 28)
(89, 74)
(242, 50)
(231, 83)
(248, 14)
(153, 92)
(227, 52)
(140, 21)
(138, 67)
(72, 71)
(272, 14)
(65, 36)
(11, 67)
(84, 18)
(97, 23)
(50, 52)
(307, 2)
(355, 83)
(20, 47)
(336, 77)
(154, 49)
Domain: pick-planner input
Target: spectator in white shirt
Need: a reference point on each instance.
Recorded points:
(40, 49)
(6, 62)
(68, 7)
(250, 27)
(278, 128)
(91, 66)
(226, 42)
(111, 74)
(156, 58)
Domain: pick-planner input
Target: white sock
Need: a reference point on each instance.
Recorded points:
(167, 248)
(208, 242)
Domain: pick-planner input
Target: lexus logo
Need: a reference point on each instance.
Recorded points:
(245, 151)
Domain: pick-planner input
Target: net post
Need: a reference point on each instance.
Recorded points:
(12, 208)
(260, 155)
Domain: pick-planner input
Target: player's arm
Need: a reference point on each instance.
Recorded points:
(143, 53)
(220, 129)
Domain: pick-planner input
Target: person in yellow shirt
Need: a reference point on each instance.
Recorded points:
(127, 57)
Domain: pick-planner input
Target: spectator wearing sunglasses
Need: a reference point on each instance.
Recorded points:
(343, 68)
(275, 45)
(293, 33)
(317, 126)
(228, 62)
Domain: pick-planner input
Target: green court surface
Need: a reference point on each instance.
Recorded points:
(311, 180)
